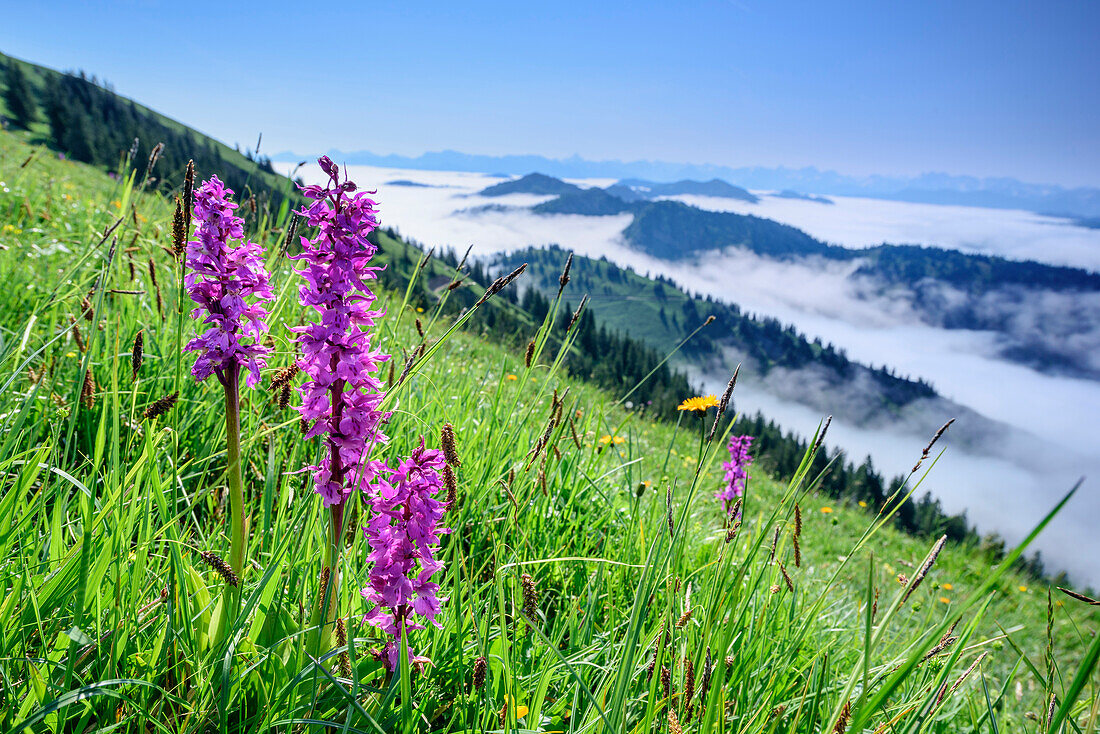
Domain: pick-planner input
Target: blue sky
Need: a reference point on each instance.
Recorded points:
(983, 88)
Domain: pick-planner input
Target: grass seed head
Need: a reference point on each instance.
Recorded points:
(87, 390)
(188, 193)
(674, 723)
(530, 595)
(786, 577)
(926, 566)
(841, 725)
(451, 483)
(78, 336)
(564, 279)
(821, 436)
(220, 567)
(137, 354)
(283, 377)
(447, 442)
(481, 667)
(724, 402)
(689, 679)
(160, 406)
(179, 230)
(928, 449)
(732, 532)
(1079, 596)
(577, 314)
(154, 156)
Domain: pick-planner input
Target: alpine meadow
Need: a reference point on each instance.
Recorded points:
(269, 466)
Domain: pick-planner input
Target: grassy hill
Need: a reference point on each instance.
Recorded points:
(83, 118)
(106, 608)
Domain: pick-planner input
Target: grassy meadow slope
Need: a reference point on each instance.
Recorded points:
(105, 606)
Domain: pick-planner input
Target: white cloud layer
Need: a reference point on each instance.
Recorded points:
(1008, 492)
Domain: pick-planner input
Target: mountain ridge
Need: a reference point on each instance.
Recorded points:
(927, 188)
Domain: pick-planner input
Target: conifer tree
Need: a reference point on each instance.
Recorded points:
(19, 97)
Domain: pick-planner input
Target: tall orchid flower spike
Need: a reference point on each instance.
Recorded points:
(229, 286)
(737, 470)
(403, 535)
(341, 396)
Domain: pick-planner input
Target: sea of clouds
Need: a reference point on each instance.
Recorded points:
(1006, 488)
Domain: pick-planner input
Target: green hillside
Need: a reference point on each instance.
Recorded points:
(587, 546)
(83, 118)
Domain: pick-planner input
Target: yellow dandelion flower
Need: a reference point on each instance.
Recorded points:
(698, 404)
(944, 600)
(512, 377)
(827, 510)
(862, 503)
(419, 309)
(1022, 588)
(609, 439)
(948, 587)
(116, 204)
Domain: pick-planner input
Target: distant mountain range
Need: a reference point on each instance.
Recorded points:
(1045, 316)
(930, 188)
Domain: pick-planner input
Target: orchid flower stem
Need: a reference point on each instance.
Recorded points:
(238, 534)
(331, 595)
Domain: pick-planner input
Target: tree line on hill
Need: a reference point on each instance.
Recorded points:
(89, 122)
(658, 305)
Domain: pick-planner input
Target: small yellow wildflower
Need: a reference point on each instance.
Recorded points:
(419, 309)
(862, 503)
(521, 710)
(116, 204)
(948, 587)
(1022, 588)
(827, 510)
(698, 404)
(609, 439)
(944, 600)
(512, 377)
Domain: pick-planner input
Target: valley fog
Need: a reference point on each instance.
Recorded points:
(1007, 489)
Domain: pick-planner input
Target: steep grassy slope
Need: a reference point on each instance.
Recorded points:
(105, 607)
